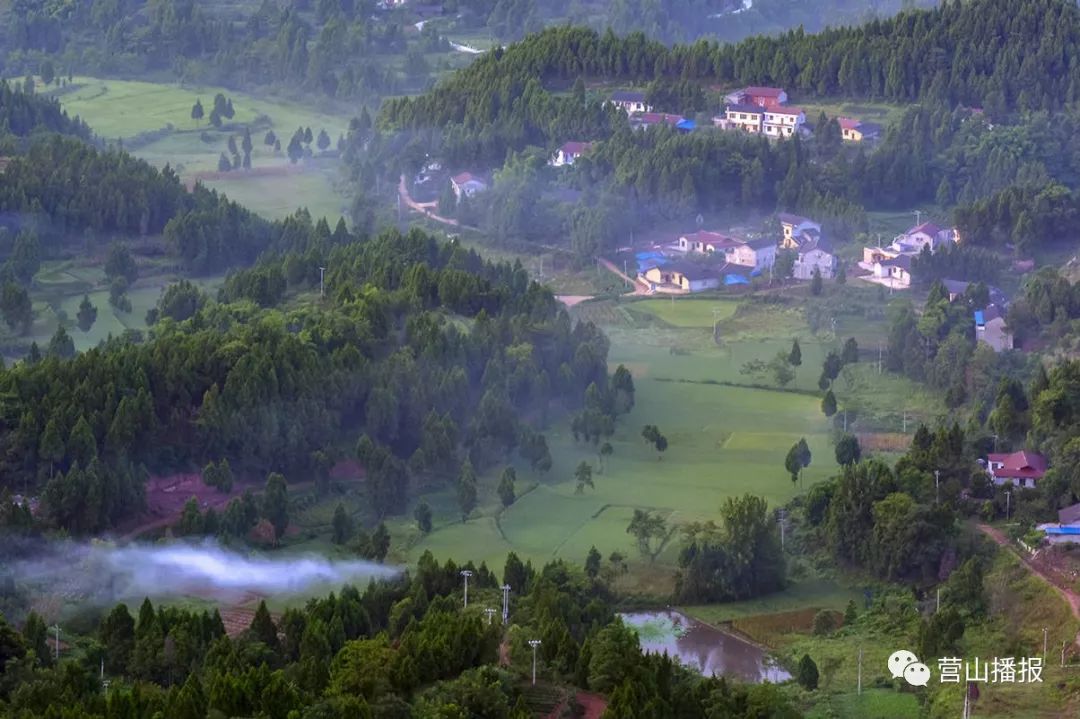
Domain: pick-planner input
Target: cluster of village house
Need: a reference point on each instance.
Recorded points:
(760, 110)
(764, 110)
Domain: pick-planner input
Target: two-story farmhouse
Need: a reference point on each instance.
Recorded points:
(756, 254)
(779, 121)
(704, 242)
(630, 102)
(797, 230)
(1023, 468)
(769, 97)
(814, 256)
(569, 152)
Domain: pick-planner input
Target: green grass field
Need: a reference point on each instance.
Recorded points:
(59, 288)
(882, 113)
(816, 593)
(125, 110)
(723, 441)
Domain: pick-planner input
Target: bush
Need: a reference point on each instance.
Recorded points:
(824, 622)
(807, 675)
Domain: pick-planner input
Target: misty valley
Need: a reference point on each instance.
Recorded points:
(506, 359)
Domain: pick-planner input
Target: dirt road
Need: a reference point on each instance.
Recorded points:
(1066, 593)
(640, 288)
(424, 208)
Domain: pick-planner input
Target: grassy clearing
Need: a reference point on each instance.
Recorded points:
(689, 312)
(724, 441)
(881, 113)
(59, 289)
(891, 224)
(1020, 606)
(154, 122)
(813, 593)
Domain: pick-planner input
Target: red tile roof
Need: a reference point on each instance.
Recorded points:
(763, 91)
(1018, 465)
(717, 239)
(653, 118)
(928, 227)
(847, 123)
(784, 110)
(465, 177)
(574, 148)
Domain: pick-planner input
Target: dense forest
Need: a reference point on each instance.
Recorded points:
(397, 649)
(280, 390)
(882, 60)
(22, 114)
(511, 107)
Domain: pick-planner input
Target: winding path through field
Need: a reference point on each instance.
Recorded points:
(1066, 593)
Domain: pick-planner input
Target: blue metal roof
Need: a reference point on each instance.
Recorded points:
(1070, 530)
(686, 125)
(644, 265)
(979, 318)
(735, 280)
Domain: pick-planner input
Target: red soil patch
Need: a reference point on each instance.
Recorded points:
(884, 441)
(593, 704)
(166, 496)
(590, 706)
(237, 617)
(347, 469)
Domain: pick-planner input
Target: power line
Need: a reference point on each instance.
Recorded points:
(466, 573)
(534, 643)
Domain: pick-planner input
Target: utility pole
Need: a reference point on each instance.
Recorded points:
(905, 421)
(782, 516)
(56, 628)
(918, 216)
(506, 602)
(860, 672)
(995, 444)
(1063, 645)
(938, 607)
(322, 284)
(490, 613)
(1008, 501)
(845, 421)
(879, 357)
(466, 573)
(534, 643)
(937, 486)
(626, 277)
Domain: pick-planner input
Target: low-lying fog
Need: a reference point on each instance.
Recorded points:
(106, 573)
